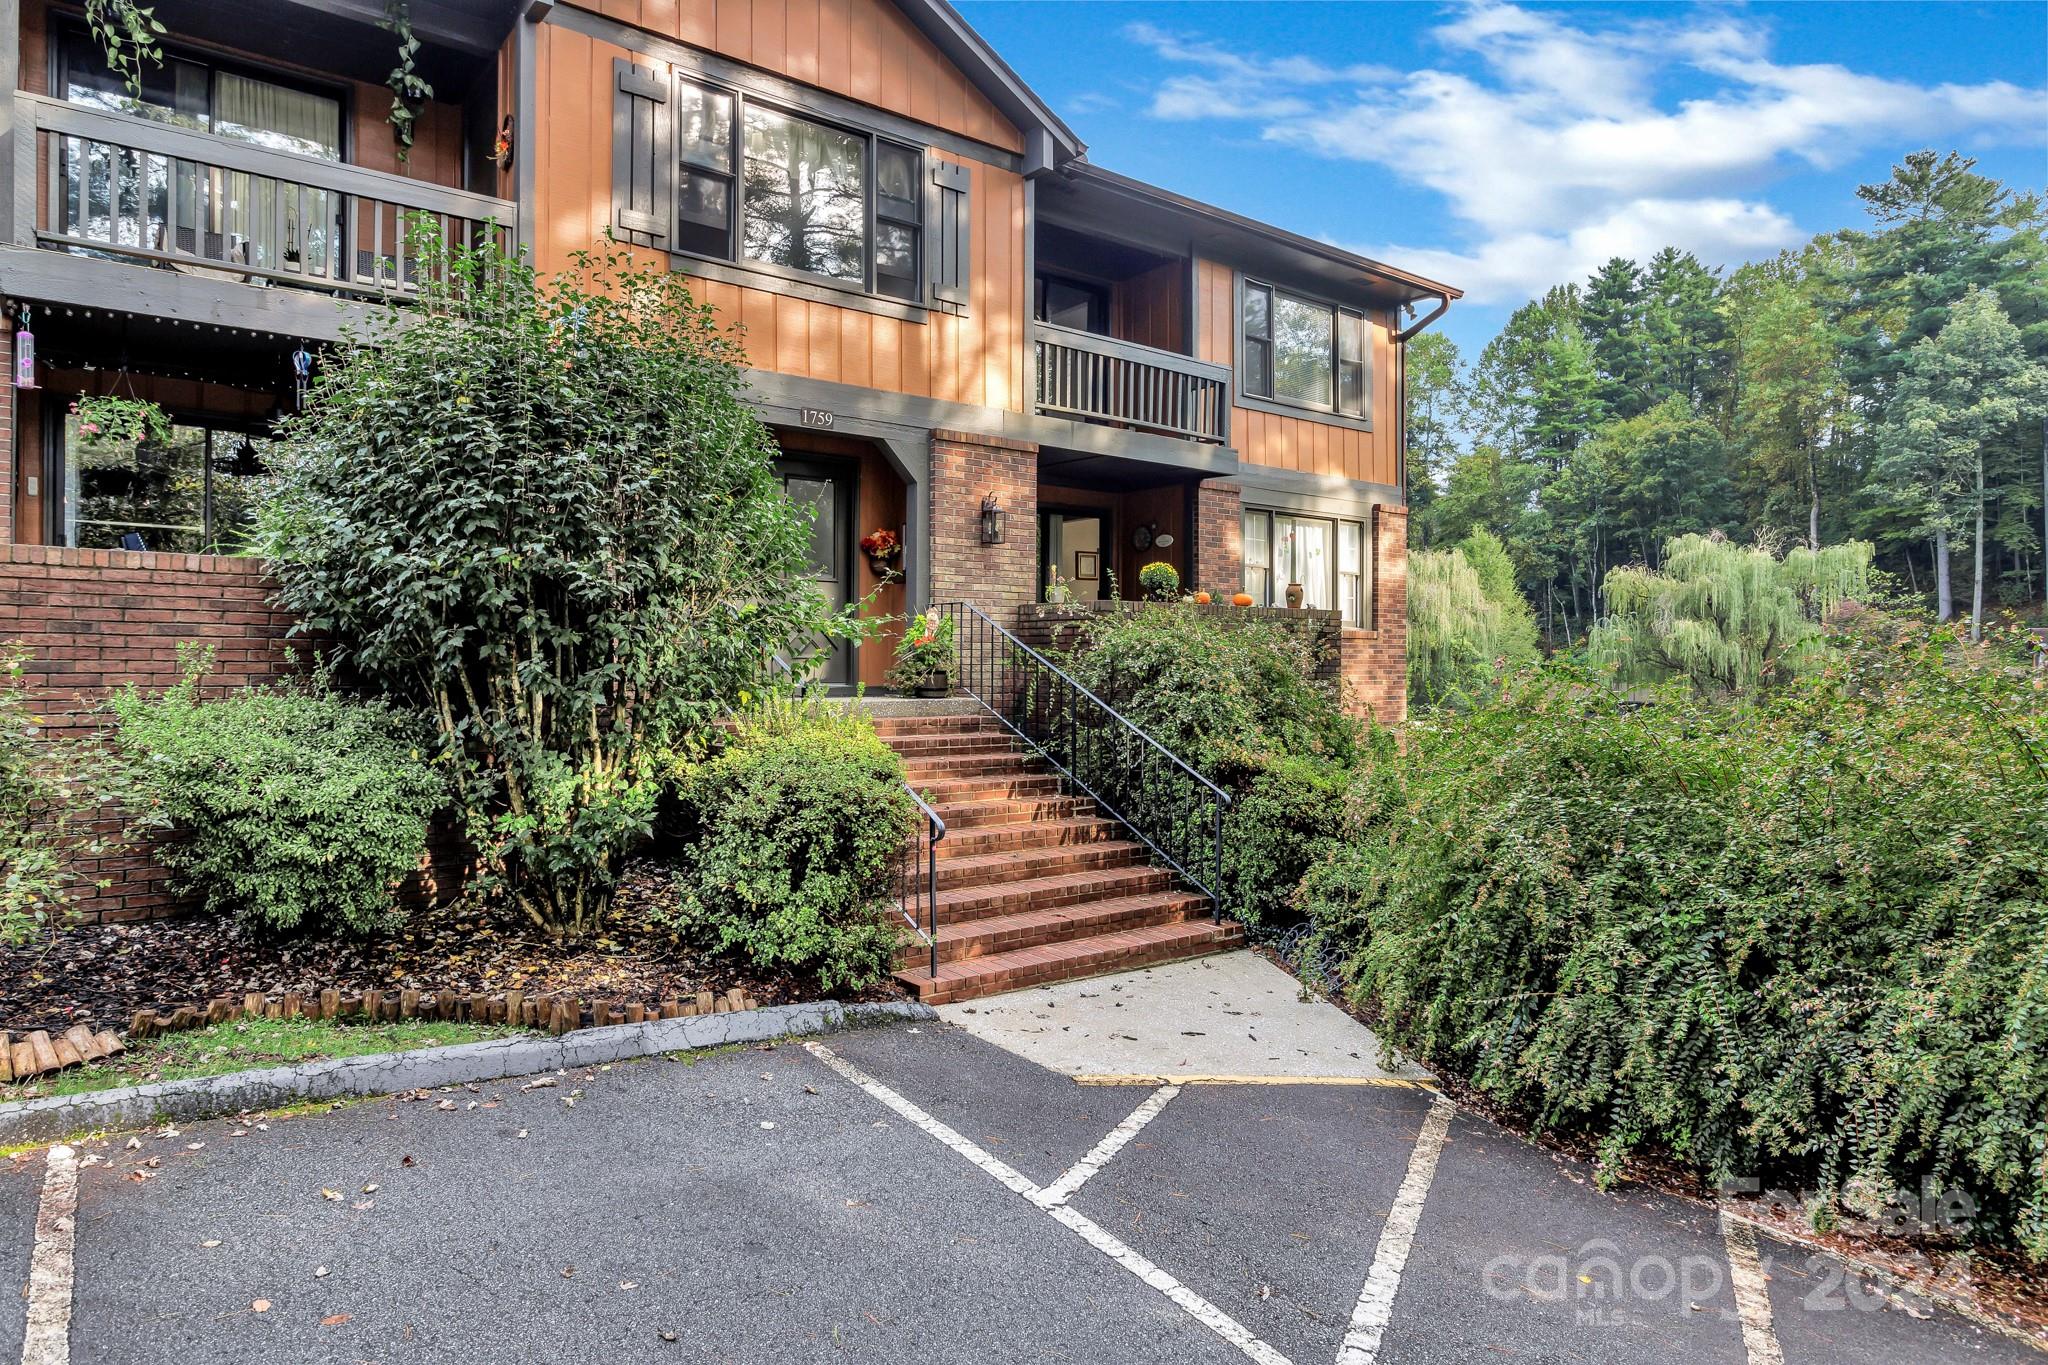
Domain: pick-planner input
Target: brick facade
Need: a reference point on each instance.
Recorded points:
(1219, 540)
(1376, 660)
(965, 469)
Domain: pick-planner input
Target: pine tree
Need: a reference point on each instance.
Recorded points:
(1438, 399)
(1966, 401)
(1613, 320)
(1684, 334)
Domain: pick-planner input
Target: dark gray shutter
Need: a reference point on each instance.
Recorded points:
(643, 155)
(948, 232)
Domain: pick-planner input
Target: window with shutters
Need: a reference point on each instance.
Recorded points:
(725, 175)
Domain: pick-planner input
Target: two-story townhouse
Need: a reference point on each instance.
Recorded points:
(958, 327)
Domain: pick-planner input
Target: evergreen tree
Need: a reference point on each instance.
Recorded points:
(1957, 430)
(1613, 319)
(1684, 335)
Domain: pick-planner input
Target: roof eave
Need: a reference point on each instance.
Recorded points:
(1056, 144)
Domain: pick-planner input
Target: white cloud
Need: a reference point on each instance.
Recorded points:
(1547, 139)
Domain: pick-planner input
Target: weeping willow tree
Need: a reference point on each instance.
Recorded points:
(1729, 618)
(1455, 630)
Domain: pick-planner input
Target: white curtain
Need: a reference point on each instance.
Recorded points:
(275, 117)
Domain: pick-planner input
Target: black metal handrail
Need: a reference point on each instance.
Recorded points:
(917, 877)
(1173, 810)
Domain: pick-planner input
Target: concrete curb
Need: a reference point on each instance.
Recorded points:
(387, 1073)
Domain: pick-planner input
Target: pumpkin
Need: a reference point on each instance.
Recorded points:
(1243, 599)
(1202, 599)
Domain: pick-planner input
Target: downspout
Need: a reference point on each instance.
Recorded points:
(1443, 305)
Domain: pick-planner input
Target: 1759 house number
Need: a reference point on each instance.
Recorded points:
(818, 417)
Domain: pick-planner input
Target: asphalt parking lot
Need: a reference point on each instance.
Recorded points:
(907, 1194)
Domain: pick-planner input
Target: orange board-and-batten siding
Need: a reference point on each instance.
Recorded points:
(977, 357)
(1302, 443)
(863, 49)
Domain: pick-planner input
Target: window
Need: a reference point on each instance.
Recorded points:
(760, 184)
(806, 196)
(192, 94)
(1326, 556)
(1071, 303)
(124, 198)
(195, 494)
(1301, 352)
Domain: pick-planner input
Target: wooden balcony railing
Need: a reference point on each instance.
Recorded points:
(1099, 379)
(135, 188)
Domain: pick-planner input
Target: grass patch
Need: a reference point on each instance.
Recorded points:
(244, 1044)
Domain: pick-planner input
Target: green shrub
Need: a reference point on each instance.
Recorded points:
(1802, 939)
(49, 792)
(1236, 699)
(1212, 687)
(545, 515)
(1285, 816)
(1160, 580)
(788, 837)
(289, 806)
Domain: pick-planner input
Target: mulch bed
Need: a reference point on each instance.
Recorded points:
(101, 974)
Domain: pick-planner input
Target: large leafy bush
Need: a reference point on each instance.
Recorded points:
(545, 515)
(289, 806)
(1804, 939)
(1238, 700)
(50, 790)
(789, 835)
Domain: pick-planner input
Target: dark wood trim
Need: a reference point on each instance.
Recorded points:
(1302, 411)
(10, 81)
(802, 285)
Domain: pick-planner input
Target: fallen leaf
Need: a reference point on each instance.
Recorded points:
(568, 1272)
(629, 1284)
(767, 1125)
(331, 1194)
(134, 1144)
(335, 1319)
(668, 1336)
(194, 1146)
(211, 1243)
(370, 1188)
(522, 1132)
(363, 1205)
(405, 1160)
(320, 1272)
(260, 1306)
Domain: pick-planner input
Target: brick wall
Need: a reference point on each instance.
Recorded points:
(1376, 660)
(965, 469)
(1219, 540)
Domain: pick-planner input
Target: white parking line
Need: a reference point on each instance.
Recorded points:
(1063, 1189)
(1193, 1304)
(1376, 1301)
(1752, 1293)
(48, 1338)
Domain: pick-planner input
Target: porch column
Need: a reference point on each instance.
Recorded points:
(967, 467)
(1218, 566)
(1375, 660)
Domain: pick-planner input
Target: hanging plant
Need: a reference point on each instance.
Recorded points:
(127, 34)
(409, 90)
(123, 421)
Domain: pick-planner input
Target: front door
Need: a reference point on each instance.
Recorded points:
(825, 495)
(1075, 548)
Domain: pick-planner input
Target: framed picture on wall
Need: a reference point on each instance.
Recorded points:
(1086, 565)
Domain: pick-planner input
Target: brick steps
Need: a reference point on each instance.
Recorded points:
(1034, 884)
(1051, 924)
(1122, 951)
(975, 841)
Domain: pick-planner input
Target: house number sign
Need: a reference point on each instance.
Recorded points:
(819, 417)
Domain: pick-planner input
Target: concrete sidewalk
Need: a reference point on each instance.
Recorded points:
(1233, 1015)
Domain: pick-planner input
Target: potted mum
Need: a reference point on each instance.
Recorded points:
(924, 656)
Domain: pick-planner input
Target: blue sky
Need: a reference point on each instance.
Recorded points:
(1504, 147)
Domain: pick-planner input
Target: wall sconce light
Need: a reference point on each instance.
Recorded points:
(993, 520)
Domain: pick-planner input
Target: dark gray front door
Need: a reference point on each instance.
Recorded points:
(826, 496)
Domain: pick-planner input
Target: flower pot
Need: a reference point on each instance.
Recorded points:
(1294, 596)
(882, 565)
(937, 687)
